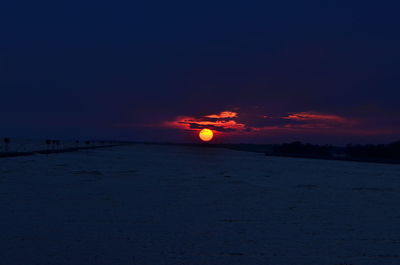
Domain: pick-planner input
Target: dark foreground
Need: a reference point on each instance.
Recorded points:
(183, 205)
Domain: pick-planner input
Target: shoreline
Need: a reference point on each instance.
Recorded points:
(57, 151)
(266, 150)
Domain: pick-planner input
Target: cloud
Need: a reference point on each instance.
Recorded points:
(264, 124)
(224, 114)
(315, 116)
(231, 122)
(222, 122)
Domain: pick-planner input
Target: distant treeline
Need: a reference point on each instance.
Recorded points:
(13, 147)
(298, 148)
(382, 151)
(386, 151)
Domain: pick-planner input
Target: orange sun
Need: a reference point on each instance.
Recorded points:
(206, 135)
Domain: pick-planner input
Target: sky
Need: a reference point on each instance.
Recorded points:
(277, 71)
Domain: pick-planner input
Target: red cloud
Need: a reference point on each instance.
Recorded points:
(219, 122)
(224, 114)
(314, 116)
(299, 122)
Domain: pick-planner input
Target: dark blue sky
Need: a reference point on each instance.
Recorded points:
(121, 70)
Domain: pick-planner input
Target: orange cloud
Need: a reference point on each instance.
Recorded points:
(224, 114)
(229, 122)
(223, 122)
(314, 116)
(256, 124)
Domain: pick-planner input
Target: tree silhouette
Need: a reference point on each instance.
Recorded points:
(381, 151)
(6, 143)
(48, 143)
(53, 142)
(58, 143)
(298, 148)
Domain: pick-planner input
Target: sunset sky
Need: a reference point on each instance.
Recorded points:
(316, 71)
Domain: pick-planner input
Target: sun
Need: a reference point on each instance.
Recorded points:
(206, 135)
